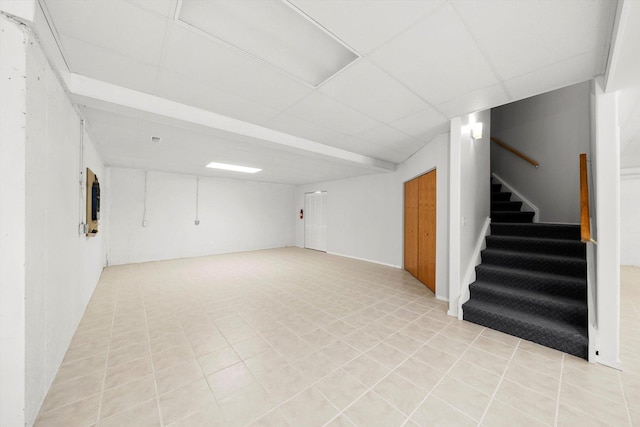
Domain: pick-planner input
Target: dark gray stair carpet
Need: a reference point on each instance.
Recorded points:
(532, 279)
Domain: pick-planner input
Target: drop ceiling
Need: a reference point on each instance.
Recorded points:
(419, 64)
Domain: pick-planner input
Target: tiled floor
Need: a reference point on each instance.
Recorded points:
(295, 337)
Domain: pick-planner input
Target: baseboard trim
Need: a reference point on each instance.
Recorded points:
(365, 259)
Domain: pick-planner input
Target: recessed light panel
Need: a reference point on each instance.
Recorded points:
(273, 31)
(234, 168)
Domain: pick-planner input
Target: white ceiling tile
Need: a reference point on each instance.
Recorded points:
(366, 24)
(114, 25)
(575, 70)
(106, 65)
(326, 112)
(210, 62)
(521, 36)
(299, 127)
(180, 88)
(163, 7)
(386, 136)
(437, 58)
(479, 100)
(366, 88)
(423, 125)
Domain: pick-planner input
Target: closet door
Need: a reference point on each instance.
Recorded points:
(427, 230)
(420, 228)
(411, 226)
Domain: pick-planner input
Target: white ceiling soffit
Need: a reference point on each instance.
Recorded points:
(273, 31)
(101, 95)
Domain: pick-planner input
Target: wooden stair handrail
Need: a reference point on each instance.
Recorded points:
(514, 151)
(585, 217)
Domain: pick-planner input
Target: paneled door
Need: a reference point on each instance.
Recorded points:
(420, 228)
(315, 221)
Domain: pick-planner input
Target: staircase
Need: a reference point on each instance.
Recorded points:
(532, 282)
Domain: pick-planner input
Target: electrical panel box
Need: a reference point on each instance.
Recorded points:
(93, 203)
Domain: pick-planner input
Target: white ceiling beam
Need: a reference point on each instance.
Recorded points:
(105, 96)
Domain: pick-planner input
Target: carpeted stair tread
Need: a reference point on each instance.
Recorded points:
(550, 246)
(566, 309)
(559, 335)
(495, 188)
(506, 206)
(548, 283)
(542, 230)
(569, 266)
(503, 196)
(512, 216)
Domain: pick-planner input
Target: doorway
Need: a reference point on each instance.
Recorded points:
(420, 228)
(315, 221)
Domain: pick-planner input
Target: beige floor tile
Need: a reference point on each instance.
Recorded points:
(502, 415)
(499, 336)
(400, 392)
(203, 344)
(319, 338)
(178, 376)
(571, 417)
(308, 409)
(605, 383)
(366, 370)
(421, 374)
(80, 413)
(230, 380)
(88, 350)
(543, 384)
(80, 368)
(419, 332)
(218, 360)
(172, 357)
(593, 405)
(361, 341)
(284, 383)
(340, 352)
(251, 347)
(184, 401)
(435, 357)
(315, 366)
(144, 415)
(272, 419)
(488, 361)
(73, 391)
(166, 342)
(466, 399)
(127, 372)
(434, 412)
(246, 405)
(386, 355)
(209, 417)
(538, 363)
(371, 410)
(125, 397)
(475, 376)
(266, 362)
(127, 354)
(528, 401)
(341, 388)
(497, 348)
(339, 329)
(404, 343)
(340, 421)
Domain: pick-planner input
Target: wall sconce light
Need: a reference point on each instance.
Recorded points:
(476, 130)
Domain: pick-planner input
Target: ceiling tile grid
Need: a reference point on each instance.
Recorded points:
(422, 63)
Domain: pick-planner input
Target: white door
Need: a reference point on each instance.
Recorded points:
(315, 221)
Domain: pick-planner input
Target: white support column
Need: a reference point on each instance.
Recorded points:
(455, 221)
(607, 189)
(12, 222)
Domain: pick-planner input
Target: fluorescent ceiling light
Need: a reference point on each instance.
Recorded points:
(273, 31)
(214, 165)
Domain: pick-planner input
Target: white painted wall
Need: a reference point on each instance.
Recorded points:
(470, 199)
(629, 223)
(553, 129)
(62, 266)
(607, 201)
(234, 216)
(365, 215)
(12, 222)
